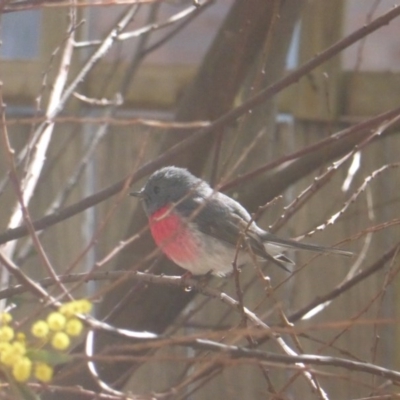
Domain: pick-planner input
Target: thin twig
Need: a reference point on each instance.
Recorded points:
(116, 121)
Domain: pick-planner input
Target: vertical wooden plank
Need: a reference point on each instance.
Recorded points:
(318, 93)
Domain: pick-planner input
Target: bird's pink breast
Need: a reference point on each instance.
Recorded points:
(173, 235)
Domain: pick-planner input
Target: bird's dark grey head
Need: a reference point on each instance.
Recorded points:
(169, 185)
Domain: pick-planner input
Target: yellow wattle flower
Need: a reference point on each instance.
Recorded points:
(74, 327)
(10, 355)
(22, 369)
(56, 321)
(6, 333)
(43, 372)
(60, 341)
(5, 318)
(40, 329)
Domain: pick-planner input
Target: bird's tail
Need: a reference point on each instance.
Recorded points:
(292, 244)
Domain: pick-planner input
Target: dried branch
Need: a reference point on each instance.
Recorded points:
(309, 359)
(158, 124)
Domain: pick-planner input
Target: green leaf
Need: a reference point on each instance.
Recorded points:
(49, 357)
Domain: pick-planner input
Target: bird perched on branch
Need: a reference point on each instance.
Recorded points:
(205, 231)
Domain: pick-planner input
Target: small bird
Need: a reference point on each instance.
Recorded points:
(204, 231)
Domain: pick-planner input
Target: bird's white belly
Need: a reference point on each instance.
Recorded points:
(213, 256)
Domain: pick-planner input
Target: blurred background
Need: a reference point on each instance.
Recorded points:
(96, 92)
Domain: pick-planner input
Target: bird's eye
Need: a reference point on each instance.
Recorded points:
(156, 189)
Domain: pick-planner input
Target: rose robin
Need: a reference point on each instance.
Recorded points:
(205, 231)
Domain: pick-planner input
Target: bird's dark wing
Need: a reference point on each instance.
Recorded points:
(221, 217)
(258, 238)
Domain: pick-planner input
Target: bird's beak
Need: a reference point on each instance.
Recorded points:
(139, 194)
